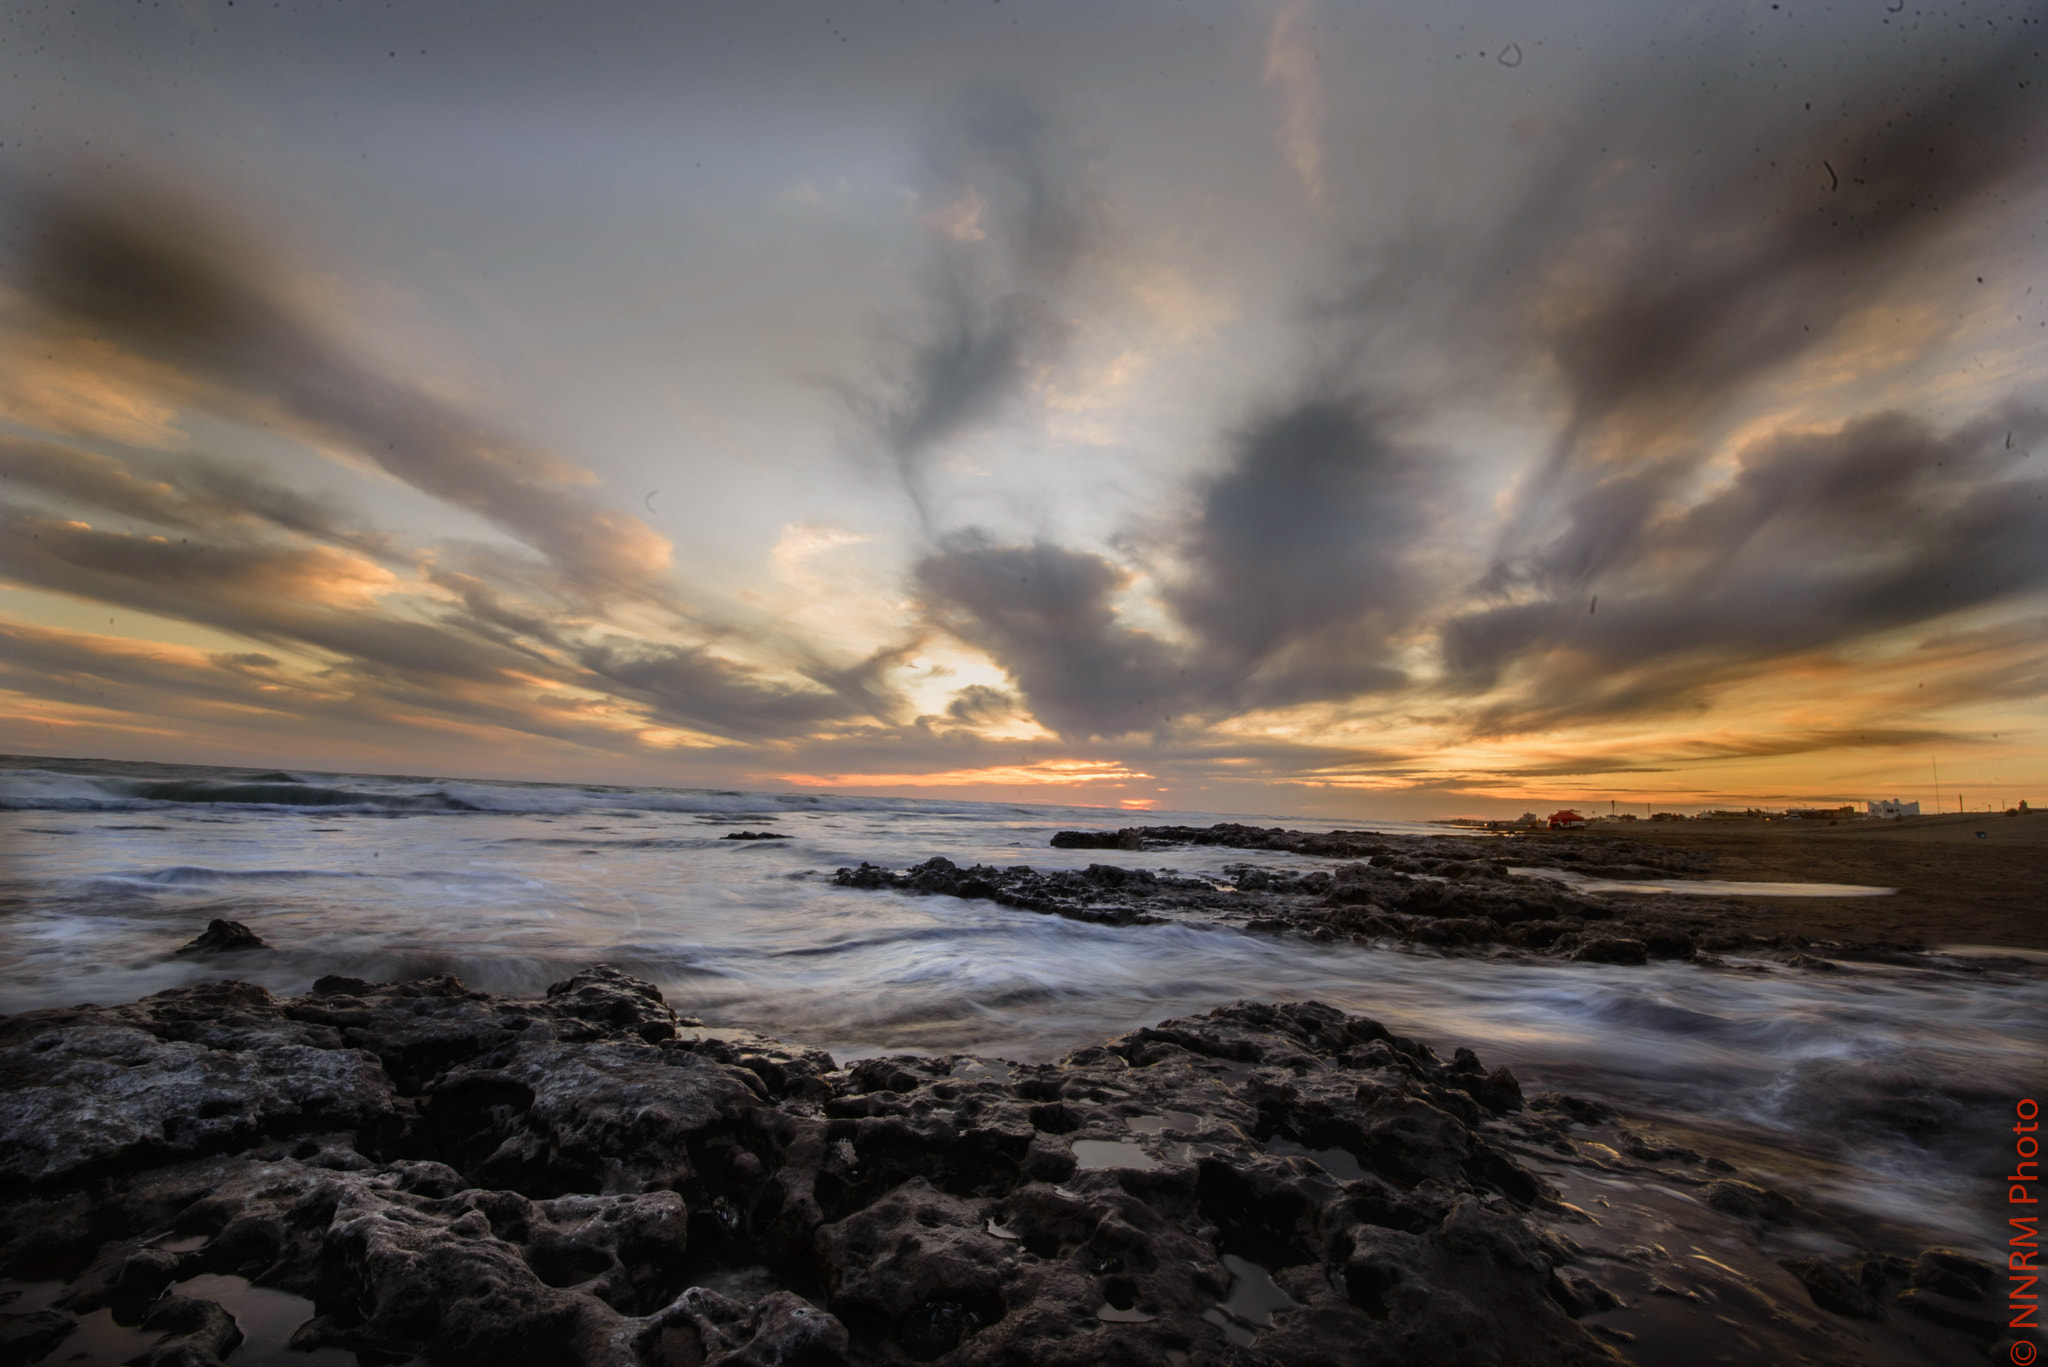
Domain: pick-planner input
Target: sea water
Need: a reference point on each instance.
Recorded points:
(1885, 1085)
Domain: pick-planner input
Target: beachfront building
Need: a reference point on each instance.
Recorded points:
(1567, 821)
(1892, 807)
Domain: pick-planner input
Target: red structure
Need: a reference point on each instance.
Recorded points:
(1566, 821)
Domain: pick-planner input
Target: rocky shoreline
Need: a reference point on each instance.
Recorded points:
(1454, 894)
(591, 1178)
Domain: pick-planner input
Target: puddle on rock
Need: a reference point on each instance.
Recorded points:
(1701, 887)
(1253, 1299)
(1339, 1163)
(982, 1070)
(1106, 1311)
(1112, 1153)
(265, 1316)
(1186, 1121)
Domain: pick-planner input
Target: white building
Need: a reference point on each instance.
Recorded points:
(1892, 807)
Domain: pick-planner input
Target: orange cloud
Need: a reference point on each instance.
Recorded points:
(1051, 772)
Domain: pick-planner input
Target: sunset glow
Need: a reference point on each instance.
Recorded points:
(938, 409)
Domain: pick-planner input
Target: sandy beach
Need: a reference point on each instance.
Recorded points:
(1955, 887)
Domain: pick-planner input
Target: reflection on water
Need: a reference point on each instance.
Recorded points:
(1905, 1072)
(1701, 887)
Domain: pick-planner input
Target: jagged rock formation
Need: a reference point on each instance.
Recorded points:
(590, 1178)
(1468, 906)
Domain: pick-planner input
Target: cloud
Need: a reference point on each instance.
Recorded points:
(1291, 69)
(980, 705)
(1678, 260)
(1045, 614)
(184, 493)
(1018, 219)
(1304, 559)
(691, 687)
(176, 290)
(307, 597)
(1051, 772)
(1821, 538)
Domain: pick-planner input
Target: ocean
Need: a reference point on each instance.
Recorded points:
(1881, 1087)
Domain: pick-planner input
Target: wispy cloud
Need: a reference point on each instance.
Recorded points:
(1017, 218)
(1291, 70)
(175, 289)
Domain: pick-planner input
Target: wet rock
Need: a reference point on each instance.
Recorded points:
(558, 1179)
(1578, 1109)
(1667, 942)
(1127, 839)
(1452, 895)
(1579, 1294)
(102, 1096)
(1970, 1317)
(753, 835)
(1955, 1275)
(128, 1284)
(1101, 893)
(223, 937)
(1612, 949)
(605, 996)
(30, 1338)
(193, 1333)
(1833, 1287)
(713, 1330)
(1746, 1201)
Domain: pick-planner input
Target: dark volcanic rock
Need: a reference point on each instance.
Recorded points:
(192, 1333)
(1101, 892)
(754, 835)
(1455, 900)
(222, 937)
(1437, 854)
(29, 1338)
(1128, 839)
(587, 1178)
(1846, 1291)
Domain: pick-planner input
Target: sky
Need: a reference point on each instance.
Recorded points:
(1344, 410)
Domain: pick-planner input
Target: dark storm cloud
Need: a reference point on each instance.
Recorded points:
(1302, 558)
(1820, 539)
(1684, 252)
(153, 277)
(1013, 216)
(1046, 614)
